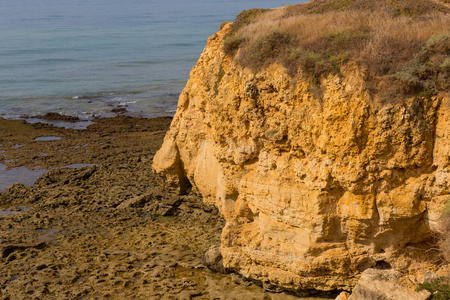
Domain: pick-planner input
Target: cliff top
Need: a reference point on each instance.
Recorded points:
(402, 45)
(393, 7)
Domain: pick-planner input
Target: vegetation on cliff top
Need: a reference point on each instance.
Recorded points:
(403, 44)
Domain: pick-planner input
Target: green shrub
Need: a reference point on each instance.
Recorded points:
(326, 55)
(339, 59)
(337, 41)
(314, 64)
(407, 76)
(446, 64)
(232, 44)
(430, 69)
(270, 45)
(439, 288)
(269, 48)
(435, 45)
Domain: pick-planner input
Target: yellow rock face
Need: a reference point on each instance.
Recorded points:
(315, 187)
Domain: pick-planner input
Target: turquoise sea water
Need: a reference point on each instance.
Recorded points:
(85, 57)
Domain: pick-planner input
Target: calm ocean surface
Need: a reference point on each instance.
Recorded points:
(85, 57)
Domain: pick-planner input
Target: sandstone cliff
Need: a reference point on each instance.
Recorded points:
(314, 190)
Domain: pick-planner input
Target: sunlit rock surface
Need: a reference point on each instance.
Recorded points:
(315, 187)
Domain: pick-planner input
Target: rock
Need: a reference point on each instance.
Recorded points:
(52, 116)
(93, 249)
(119, 110)
(343, 296)
(30, 289)
(138, 201)
(430, 276)
(385, 285)
(314, 190)
(212, 259)
(41, 267)
(6, 250)
(239, 279)
(186, 295)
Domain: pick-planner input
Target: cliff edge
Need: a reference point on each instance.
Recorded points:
(317, 176)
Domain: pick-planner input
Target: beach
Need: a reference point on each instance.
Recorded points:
(98, 224)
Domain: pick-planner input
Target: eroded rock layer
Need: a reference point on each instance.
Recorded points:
(315, 187)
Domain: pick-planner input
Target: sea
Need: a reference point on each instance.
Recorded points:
(86, 57)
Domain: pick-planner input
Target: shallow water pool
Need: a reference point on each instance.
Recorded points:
(48, 138)
(21, 175)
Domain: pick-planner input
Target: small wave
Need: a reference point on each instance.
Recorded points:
(134, 63)
(56, 60)
(127, 102)
(182, 44)
(171, 94)
(148, 101)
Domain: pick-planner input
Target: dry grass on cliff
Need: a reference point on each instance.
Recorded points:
(406, 42)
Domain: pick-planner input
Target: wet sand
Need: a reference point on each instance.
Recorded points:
(99, 225)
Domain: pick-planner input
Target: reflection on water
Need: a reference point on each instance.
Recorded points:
(26, 176)
(20, 175)
(63, 124)
(75, 166)
(10, 211)
(48, 235)
(48, 138)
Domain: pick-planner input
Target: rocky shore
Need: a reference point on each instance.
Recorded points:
(98, 225)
